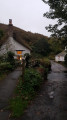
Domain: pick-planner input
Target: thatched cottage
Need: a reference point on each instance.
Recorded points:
(61, 56)
(14, 44)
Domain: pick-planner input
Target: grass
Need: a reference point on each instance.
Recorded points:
(5, 68)
(2, 76)
(18, 106)
(19, 103)
(26, 90)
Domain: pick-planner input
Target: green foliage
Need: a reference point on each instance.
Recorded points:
(32, 80)
(7, 63)
(41, 47)
(65, 60)
(58, 9)
(46, 64)
(52, 56)
(27, 58)
(1, 59)
(5, 66)
(10, 58)
(2, 75)
(56, 45)
(36, 55)
(18, 106)
(25, 91)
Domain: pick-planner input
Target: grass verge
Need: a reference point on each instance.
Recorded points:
(2, 76)
(25, 92)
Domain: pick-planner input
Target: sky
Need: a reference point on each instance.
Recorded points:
(26, 14)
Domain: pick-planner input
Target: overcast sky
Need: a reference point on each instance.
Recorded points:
(25, 14)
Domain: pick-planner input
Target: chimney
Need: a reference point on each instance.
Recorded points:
(10, 22)
(10, 28)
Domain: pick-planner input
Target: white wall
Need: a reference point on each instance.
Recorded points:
(12, 45)
(57, 58)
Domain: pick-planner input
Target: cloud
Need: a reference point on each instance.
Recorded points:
(26, 14)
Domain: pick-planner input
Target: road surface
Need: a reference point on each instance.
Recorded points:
(7, 87)
(51, 102)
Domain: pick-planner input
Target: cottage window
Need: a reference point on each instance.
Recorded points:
(19, 52)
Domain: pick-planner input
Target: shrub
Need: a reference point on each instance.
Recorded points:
(35, 63)
(41, 47)
(27, 58)
(45, 63)
(5, 67)
(65, 60)
(25, 91)
(32, 80)
(10, 58)
(31, 83)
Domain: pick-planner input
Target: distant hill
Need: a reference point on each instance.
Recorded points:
(34, 40)
(27, 37)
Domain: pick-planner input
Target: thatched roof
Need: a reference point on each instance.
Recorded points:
(20, 40)
(63, 53)
(25, 38)
(12, 31)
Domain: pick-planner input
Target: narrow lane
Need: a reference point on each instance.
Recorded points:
(51, 102)
(7, 87)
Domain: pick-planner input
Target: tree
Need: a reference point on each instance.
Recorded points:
(41, 47)
(58, 10)
(65, 60)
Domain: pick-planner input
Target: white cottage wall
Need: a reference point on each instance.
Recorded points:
(61, 58)
(12, 45)
(7, 46)
(56, 58)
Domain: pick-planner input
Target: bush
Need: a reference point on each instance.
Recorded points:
(32, 80)
(35, 63)
(31, 83)
(10, 58)
(41, 47)
(45, 63)
(65, 60)
(25, 91)
(5, 67)
(27, 58)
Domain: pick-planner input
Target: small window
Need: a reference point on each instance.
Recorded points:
(19, 52)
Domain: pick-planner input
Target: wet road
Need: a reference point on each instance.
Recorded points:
(51, 102)
(7, 87)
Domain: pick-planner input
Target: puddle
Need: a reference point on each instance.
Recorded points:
(51, 94)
